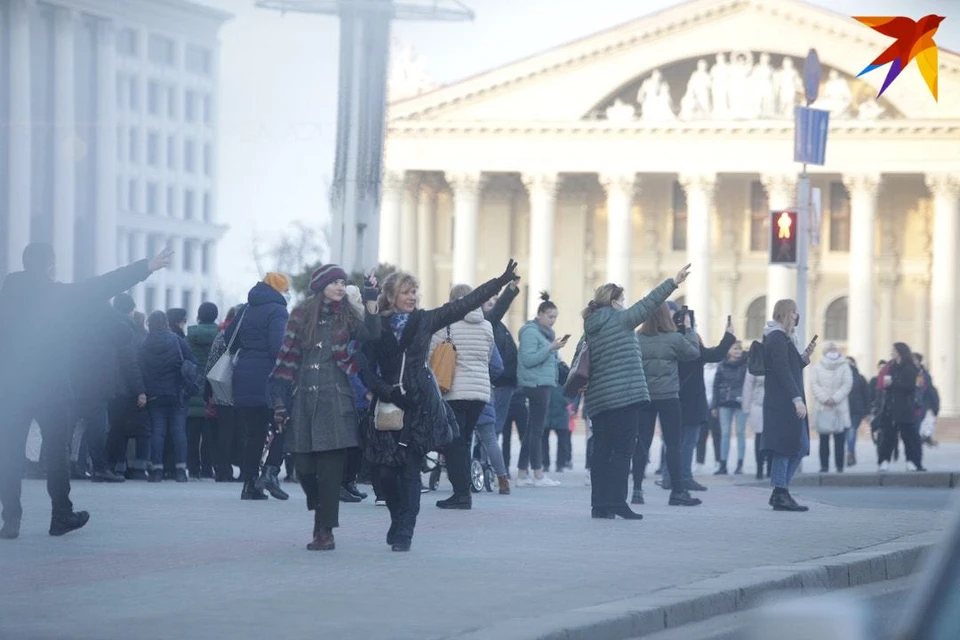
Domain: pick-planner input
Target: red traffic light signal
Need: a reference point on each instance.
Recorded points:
(783, 237)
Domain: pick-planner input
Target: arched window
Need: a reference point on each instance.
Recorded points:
(756, 319)
(835, 321)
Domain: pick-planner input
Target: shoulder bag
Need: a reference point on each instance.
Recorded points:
(388, 416)
(220, 375)
(579, 374)
(443, 362)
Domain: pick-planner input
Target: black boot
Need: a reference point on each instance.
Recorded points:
(683, 499)
(739, 470)
(269, 480)
(354, 490)
(637, 497)
(602, 513)
(346, 496)
(781, 500)
(722, 471)
(10, 530)
(464, 503)
(626, 513)
(60, 525)
(251, 492)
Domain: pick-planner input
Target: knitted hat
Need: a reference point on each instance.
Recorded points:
(208, 312)
(278, 281)
(325, 275)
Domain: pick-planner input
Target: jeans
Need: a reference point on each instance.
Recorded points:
(163, 419)
(531, 448)
(518, 414)
(457, 453)
(92, 414)
(321, 474)
(127, 420)
(491, 448)
(839, 441)
(502, 397)
(783, 468)
(710, 431)
(669, 412)
(201, 435)
(54, 421)
(614, 442)
(401, 489)
(689, 437)
(852, 433)
(564, 448)
(727, 416)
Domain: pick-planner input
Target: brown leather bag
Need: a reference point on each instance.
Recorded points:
(443, 362)
(579, 374)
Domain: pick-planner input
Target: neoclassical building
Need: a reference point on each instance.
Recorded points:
(624, 155)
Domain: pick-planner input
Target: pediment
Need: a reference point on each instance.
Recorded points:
(584, 79)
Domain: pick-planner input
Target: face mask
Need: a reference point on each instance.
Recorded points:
(834, 355)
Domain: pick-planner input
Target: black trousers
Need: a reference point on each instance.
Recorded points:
(457, 453)
(912, 445)
(127, 420)
(201, 445)
(351, 466)
(92, 412)
(759, 456)
(255, 423)
(712, 431)
(56, 424)
(519, 415)
(531, 447)
(839, 444)
(229, 436)
(614, 441)
(564, 448)
(320, 474)
(400, 487)
(669, 413)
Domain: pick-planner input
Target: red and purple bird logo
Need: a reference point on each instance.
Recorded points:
(914, 40)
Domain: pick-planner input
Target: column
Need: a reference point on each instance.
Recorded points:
(888, 295)
(619, 188)
(466, 189)
(781, 281)
(138, 240)
(863, 213)
(700, 189)
(64, 177)
(426, 242)
(542, 189)
(408, 224)
(391, 205)
(19, 162)
(942, 359)
(106, 214)
(920, 286)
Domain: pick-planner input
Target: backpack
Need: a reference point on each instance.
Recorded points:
(443, 362)
(755, 363)
(189, 377)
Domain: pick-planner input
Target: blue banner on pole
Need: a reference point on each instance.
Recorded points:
(810, 135)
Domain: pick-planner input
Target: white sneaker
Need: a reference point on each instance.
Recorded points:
(524, 481)
(545, 482)
(883, 467)
(697, 469)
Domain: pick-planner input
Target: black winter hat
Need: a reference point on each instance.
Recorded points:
(208, 313)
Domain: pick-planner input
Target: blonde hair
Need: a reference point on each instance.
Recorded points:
(660, 321)
(459, 290)
(783, 314)
(604, 296)
(392, 286)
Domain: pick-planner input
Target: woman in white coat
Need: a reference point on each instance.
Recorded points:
(832, 382)
(753, 405)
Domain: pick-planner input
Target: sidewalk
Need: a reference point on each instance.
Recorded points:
(167, 561)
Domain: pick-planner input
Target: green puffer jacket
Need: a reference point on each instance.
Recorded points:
(661, 353)
(200, 337)
(537, 363)
(616, 364)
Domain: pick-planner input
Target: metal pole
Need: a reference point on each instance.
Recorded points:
(803, 244)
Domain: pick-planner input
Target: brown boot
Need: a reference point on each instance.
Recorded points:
(504, 482)
(322, 536)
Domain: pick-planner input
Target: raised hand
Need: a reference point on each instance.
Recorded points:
(162, 260)
(682, 275)
(729, 328)
(510, 273)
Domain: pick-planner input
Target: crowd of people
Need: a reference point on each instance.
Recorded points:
(358, 383)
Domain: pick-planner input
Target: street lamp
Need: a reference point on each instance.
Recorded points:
(361, 111)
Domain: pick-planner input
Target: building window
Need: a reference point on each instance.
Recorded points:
(120, 138)
(171, 200)
(160, 50)
(132, 197)
(120, 201)
(134, 88)
(171, 152)
(172, 103)
(839, 218)
(153, 98)
(152, 195)
(127, 42)
(835, 321)
(207, 159)
(198, 60)
(756, 318)
(759, 217)
(151, 301)
(207, 110)
(188, 247)
(207, 204)
(679, 217)
(153, 149)
(188, 300)
(188, 204)
(189, 106)
(189, 151)
(122, 92)
(168, 299)
(134, 145)
(205, 258)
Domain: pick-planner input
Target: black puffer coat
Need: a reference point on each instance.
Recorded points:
(693, 392)
(900, 397)
(728, 384)
(432, 423)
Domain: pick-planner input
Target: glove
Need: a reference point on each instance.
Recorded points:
(398, 398)
(509, 274)
(370, 294)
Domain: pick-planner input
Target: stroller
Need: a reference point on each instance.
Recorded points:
(482, 476)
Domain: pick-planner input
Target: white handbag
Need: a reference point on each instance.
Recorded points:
(388, 416)
(220, 375)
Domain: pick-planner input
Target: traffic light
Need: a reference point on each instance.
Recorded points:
(783, 237)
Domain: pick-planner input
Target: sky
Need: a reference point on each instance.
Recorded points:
(278, 98)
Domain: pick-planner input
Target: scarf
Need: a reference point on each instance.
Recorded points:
(398, 322)
(549, 334)
(344, 349)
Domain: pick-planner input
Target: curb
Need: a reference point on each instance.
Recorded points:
(930, 480)
(729, 593)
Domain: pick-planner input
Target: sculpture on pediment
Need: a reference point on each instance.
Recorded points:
(788, 86)
(654, 98)
(620, 111)
(696, 101)
(762, 93)
(408, 74)
(720, 87)
(835, 96)
(739, 94)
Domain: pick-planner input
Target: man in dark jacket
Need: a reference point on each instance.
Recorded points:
(201, 430)
(127, 411)
(504, 385)
(860, 399)
(694, 411)
(36, 339)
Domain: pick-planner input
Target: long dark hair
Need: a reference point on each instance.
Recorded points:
(906, 357)
(345, 319)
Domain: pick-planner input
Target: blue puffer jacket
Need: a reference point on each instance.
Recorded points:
(264, 319)
(160, 357)
(538, 363)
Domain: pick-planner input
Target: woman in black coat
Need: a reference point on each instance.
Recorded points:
(786, 433)
(428, 422)
(899, 384)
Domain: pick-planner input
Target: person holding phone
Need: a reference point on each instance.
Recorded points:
(537, 375)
